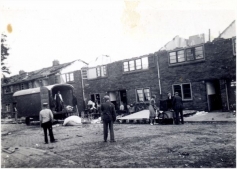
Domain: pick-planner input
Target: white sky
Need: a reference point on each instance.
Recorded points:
(69, 30)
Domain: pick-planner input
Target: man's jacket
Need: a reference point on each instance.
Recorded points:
(108, 111)
(177, 103)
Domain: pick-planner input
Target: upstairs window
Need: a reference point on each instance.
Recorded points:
(69, 77)
(8, 89)
(184, 90)
(96, 72)
(186, 55)
(136, 64)
(84, 73)
(22, 86)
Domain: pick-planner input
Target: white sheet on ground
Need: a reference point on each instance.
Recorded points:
(96, 121)
(72, 121)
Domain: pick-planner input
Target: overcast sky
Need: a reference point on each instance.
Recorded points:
(68, 30)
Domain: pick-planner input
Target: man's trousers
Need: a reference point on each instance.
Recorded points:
(109, 124)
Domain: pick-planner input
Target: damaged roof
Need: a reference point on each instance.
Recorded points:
(26, 76)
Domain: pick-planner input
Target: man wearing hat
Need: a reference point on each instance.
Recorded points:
(108, 117)
(46, 120)
(177, 104)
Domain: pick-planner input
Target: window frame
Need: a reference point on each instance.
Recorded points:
(84, 73)
(182, 91)
(127, 67)
(68, 77)
(5, 89)
(22, 86)
(143, 93)
(193, 49)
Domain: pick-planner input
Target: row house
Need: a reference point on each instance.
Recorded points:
(69, 73)
(126, 82)
(204, 74)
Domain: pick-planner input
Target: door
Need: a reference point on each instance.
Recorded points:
(123, 98)
(213, 95)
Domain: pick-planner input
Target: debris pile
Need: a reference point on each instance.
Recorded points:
(72, 121)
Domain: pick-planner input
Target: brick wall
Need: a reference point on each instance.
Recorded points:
(118, 80)
(219, 63)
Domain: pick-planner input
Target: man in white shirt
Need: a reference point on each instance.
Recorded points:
(46, 120)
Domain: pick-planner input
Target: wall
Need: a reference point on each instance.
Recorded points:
(219, 64)
(118, 80)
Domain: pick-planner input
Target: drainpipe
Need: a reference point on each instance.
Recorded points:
(158, 73)
(228, 106)
(83, 92)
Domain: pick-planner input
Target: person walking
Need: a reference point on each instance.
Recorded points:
(108, 117)
(46, 120)
(178, 108)
(152, 109)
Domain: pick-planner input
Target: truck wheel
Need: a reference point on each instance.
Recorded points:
(27, 121)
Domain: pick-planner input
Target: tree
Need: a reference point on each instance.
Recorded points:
(4, 55)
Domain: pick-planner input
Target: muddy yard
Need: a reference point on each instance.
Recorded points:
(194, 145)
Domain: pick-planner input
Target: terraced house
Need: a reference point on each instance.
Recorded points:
(203, 73)
(67, 73)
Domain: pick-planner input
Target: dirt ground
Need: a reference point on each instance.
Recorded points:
(192, 145)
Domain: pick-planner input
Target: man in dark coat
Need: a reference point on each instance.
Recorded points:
(177, 104)
(108, 117)
(59, 102)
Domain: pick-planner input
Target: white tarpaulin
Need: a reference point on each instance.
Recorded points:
(72, 121)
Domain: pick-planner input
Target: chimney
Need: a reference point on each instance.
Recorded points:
(55, 62)
(21, 72)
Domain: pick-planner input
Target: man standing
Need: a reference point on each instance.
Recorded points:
(108, 117)
(46, 120)
(178, 108)
(59, 102)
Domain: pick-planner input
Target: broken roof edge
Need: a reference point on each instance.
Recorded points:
(226, 29)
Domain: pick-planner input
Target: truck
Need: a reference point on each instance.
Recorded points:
(29, 102)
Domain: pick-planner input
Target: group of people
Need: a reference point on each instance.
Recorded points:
(108, 116)
(173, 103)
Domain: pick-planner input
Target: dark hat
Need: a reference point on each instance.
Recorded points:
(106, 97)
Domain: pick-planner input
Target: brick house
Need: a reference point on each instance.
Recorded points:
(56, 74)
(126, 81)
(204, 74)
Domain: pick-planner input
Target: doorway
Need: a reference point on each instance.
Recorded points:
(214, 95)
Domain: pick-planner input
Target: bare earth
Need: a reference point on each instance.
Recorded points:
(194, 145)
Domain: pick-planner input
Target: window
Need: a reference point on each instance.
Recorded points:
(8, 89)
(69, 77)
(84, 73)
(186, 55)
(95, 72)
(22, 86)
(143, 94)
(234, 45)
(184, 90)
(131, 65)
(104, 70)
(137, 64)
(125, 67)
(8, 107)
(98, 71)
